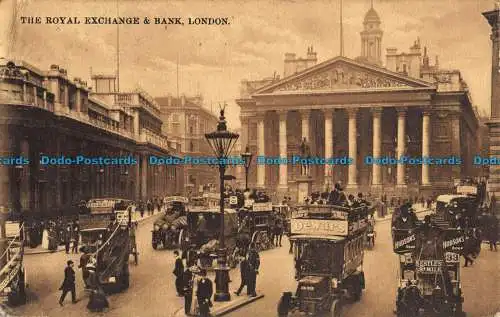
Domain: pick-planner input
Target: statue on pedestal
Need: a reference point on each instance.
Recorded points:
(305, 153)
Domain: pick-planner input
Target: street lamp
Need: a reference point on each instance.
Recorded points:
(247, 158)
(222, 141)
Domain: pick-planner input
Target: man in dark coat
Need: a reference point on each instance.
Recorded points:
(67, 237)
(492, 231)
(187, 280)
(253, 269)
(244, 276)
(204, 294)
(68, 284)
(178, 272)
(84, 260)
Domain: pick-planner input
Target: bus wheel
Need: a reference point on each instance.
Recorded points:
(336, 308)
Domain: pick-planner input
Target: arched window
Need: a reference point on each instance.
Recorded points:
(191, 146)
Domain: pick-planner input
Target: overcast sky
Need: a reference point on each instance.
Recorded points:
(214, 59)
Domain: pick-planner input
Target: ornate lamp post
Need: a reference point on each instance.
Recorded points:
(247, 158)
(222, 141)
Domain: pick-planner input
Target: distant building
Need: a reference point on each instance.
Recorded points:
(358, 108)
(44, 113)
(186, 120)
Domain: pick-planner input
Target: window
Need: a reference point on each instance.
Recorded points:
(191, 146)
(191, 130)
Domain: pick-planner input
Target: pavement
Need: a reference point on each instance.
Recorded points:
(39, 250)
(223, 308)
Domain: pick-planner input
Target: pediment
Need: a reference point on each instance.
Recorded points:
(340, 74)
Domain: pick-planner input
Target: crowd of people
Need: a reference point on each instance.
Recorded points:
(192, 283)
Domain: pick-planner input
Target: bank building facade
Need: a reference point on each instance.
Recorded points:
(358, 108)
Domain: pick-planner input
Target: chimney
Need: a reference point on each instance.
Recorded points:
(290, 64)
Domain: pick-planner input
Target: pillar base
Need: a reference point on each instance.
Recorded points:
(376, 189)
(352, 189)
(401, 190)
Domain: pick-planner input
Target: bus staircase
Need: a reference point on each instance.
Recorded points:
(438, 276)
(113, 253)
(13, 256)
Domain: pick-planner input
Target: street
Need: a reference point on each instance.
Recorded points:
(152, 287)
(479, 282)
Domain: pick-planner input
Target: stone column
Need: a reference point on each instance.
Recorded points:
(244, 143)
(144, 177)
(25, 93)
(352, 182)
(455, 143)
(305, 115)
(78, 101)
(5, 175)
(24, 173)
(45, 99)
(377, 148)
(261, 168)
(328, 147)
(426, 120)
(283, 176)
(401, 168)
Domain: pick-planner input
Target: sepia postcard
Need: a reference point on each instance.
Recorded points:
(167, 158)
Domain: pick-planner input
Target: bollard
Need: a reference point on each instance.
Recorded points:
(4, 214)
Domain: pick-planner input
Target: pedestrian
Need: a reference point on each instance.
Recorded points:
(468, 250)
(204, 294)
(187, 280)
(492, 231)
(84, 260)
(278, 230)
(67, 238)
(75, 238)
(253, 269)
(68, 285)
(97, 299)
(141, 208)
(244, 276)
(178, 272)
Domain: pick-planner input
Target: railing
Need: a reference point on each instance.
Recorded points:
(148, 136)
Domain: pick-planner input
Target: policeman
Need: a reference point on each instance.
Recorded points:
(253, 269)
(204, 294)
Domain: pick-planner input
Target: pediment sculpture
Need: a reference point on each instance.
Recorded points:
(341, 77)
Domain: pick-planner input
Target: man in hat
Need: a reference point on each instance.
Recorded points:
(178, 272)
(204, 294)
(253, 269)
(68, 284)
(187, 280)
(84, 260)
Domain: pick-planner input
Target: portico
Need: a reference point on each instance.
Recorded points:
(346, 108)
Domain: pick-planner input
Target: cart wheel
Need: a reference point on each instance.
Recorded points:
(336, 308)
(182, 238)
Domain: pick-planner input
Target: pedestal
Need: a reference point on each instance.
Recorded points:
(222, 279)
(304, 186)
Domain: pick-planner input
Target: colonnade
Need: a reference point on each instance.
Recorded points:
(352, 115)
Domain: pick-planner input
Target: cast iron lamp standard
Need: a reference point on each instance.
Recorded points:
(247, 159)
(222, 142)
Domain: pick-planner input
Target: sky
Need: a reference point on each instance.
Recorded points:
(212, 60)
